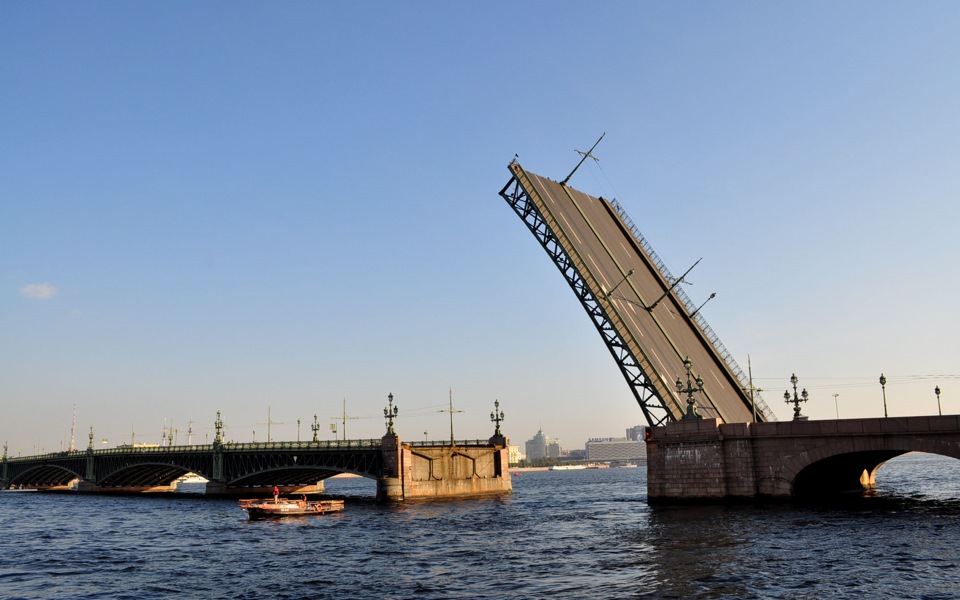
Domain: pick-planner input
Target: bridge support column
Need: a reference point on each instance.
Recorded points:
(85, 486)
(4, 481)
(390, 483)
(216, 488)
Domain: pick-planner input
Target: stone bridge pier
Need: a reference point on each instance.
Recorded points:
(709, 460)
(413, 470)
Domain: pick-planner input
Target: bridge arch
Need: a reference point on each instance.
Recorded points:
(50, 475)
(834, 468)
(145, 474)
(293, 475)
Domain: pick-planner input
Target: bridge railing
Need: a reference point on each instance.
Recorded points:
(435, 444)
(325, 444)
(762, 407)
(49, 455)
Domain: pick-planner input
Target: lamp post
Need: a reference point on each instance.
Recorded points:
(796, 400)
(218, 427)
(836, 406)
(936, 391)
(390, 414)
(883, 386)
(689, 390)
(496, 416)
(694, 313)
(316, 429)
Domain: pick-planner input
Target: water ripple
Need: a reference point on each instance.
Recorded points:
(562, 534)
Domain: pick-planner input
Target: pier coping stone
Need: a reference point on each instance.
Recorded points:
(764, 429)
(850, 426)
(735, 429)
(895, 424)
(684, 428)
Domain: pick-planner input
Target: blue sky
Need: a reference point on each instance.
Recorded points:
(234, 206)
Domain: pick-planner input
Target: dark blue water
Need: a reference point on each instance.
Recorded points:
(562, 534)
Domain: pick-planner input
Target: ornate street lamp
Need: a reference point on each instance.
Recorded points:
(316, 429)
(883, 386)
(218, 427)
(689, 390)
(796, 400)
(390, 414)
(496, 416)
(936, 391)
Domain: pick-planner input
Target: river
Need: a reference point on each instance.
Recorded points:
(561, 534)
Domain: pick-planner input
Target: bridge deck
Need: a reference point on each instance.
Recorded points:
(663, 336)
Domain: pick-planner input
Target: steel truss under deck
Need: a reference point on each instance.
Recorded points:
(291, 467)
(652, 405)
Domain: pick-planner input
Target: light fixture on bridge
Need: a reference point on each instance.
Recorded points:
(585, 155)
(496, 417)
(796, 400)
(689, 390)
(629, 273)
(670, 289)
(390, 414)
(936, 391)
(218, 426)
(883, 386)
(694, 313)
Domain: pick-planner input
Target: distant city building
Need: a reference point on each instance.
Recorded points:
(515, 455)
(636, 433)
(541, 446)
(553, 449)
(604, 449)
(577, 455)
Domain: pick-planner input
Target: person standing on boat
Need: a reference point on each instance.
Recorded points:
(276, 494)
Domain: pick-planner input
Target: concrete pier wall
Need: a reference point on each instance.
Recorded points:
(412, 472)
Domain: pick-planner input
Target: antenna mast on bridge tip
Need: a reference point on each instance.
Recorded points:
(585, 155)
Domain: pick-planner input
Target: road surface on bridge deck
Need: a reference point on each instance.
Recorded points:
(666, 334)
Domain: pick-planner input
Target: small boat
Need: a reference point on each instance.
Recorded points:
(284, 507)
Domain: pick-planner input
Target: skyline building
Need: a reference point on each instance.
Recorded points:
(636, 433)
(541, 446)
(612, 449)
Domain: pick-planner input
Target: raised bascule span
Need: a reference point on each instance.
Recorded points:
(652, 328)
(648, 323)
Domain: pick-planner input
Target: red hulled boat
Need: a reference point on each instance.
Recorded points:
(284, 507)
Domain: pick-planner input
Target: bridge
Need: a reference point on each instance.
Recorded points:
(697, 459)
(403, 470)
(713, 437)
(648, 323)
